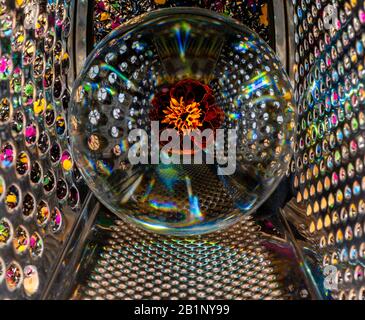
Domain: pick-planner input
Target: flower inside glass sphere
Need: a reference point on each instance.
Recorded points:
(182, 121)
(188, 107)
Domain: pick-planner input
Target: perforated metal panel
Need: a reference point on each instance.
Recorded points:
(109, 14)
(44, 232)
(329, 177)
(137, 265)
(38, 182)
(123, 262)
(120, 261)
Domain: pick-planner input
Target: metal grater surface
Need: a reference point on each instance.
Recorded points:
(329, 163)
(39, 186)
(129, 263)
(123, 262)
(109, 14)
(41, 192)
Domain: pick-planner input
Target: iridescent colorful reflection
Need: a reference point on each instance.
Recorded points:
(187, 70)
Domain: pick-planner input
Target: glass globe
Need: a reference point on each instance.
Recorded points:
(182, 121)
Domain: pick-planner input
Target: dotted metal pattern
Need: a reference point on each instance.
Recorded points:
(39, 195)
(134, 264)
(109, 14)
(329, 158)
(38, 215)
(252, 94)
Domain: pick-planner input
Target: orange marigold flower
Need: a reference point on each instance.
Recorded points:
(186, 106)
(184, 117)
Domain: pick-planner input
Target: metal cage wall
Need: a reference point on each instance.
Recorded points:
(58, 242)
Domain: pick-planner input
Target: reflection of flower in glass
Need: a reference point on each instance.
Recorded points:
(186, 106)
(184, 118)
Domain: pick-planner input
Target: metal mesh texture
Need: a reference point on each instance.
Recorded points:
(39, 197)
(328, 168)
(129, 263)
(111, 13)
(39, 186)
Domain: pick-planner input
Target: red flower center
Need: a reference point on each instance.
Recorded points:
(186, 106)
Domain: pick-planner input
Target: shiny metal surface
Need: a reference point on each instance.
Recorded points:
(272, 255)
(281, 41)
(76, 254)
(328, 169)
(290, 53)
(121, 261)
(259, 258)
(109, 267)
(81, 36)
(41, 206)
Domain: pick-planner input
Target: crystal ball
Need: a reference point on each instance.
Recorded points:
(182, 121)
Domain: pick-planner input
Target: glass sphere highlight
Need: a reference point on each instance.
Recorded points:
(182, 121)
